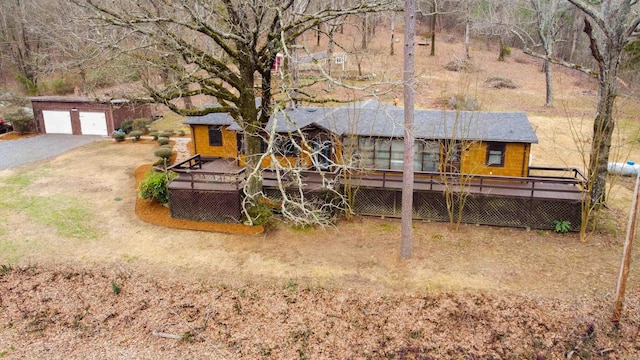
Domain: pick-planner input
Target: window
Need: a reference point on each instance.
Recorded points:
(240, 143)
(284, 146)
(382, 153)
(215, 136)
(397, 154)
(427, 156)
(385, 153)
(495, 154)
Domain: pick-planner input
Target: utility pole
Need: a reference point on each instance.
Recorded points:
(406, 242)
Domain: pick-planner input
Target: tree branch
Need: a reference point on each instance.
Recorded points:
(569, 65)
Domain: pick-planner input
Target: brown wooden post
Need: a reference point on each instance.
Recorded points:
(626, 256)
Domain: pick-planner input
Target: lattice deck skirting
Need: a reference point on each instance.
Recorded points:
(204, 205)
(534, 213)
(477, 209)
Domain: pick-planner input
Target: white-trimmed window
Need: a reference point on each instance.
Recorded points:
(495, 154)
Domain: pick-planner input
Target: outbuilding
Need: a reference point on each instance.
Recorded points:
(83, 116)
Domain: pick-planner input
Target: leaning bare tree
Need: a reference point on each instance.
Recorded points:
(227, 49)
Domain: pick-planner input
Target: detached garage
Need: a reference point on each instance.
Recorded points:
(82, 116)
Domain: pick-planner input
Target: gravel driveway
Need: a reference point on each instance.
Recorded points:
(28, 150)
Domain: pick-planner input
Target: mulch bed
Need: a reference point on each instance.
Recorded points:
(154, 213)
(15, 136)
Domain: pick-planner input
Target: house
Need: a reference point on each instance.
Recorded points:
(473, 143)
(482, 154)
(83, 116)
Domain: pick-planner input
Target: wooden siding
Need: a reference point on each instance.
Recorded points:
(473, 157)
(131, 111)
(516, 160)
(114, 114)
(200, 138)
(229, 148)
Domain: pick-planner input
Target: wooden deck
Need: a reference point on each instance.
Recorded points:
(524, 187)
(218, 174)
(213, 174)
(552, 188)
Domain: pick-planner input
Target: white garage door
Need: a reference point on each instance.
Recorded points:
(93, 123)
(57, 122)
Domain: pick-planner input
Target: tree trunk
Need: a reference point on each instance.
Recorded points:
(365, 31)
(501, 46)
(406, 244)
(252, 128)
(574, 39)
(318, 33)
(549, 79)
(466, 39)
(434, 20)
(393, 33)
(603, 127)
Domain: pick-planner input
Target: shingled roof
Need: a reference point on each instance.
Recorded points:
(374, 118)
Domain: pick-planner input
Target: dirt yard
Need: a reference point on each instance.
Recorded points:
(81, 276)
(70, 237)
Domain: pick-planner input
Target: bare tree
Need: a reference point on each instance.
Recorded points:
(617, 21)
(494, 20)
(550, 17)
(23, 40)
(227, 49)
(409, 90)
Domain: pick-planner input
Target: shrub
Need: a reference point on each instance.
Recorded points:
(164, 134)
(260, 213)
(499, 82)
(141, 125)
(119, 136)
(562, 227)
(59, 86)
(163, 153)
(155, 135)
(463, 103)
(135, 135)
(181, 132)
(127, 126)
(163, 140)
(20, 119)
(28, 84)
(169, 132)
(115, 288)
(154, 186)
(166, 146)
(459, 65)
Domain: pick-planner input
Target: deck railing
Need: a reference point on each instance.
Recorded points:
(434, 181)
(194, 162)
(547, 180)
(190, 170)
(572, 172)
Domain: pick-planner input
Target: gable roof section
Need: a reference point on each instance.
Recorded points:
(210, 119)
(373, 118)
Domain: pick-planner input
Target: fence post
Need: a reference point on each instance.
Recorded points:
(533, 186)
